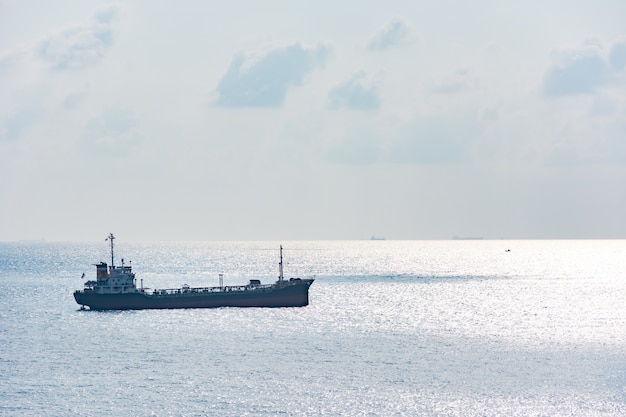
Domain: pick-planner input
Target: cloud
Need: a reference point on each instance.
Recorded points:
(261, 79)
(73, 100)
(579, 70)
(114, 133)
(12, 127)
(9, 59)
(433, 140)
(81, 46)
(396, 31)
(427, 140)
(617, 56)
(361, 147)
(355, 94)
(455, 82)
(612, 147)
(27, 110)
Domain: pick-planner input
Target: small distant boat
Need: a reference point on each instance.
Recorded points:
(115, 288)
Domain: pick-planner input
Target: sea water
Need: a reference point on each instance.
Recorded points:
(394, 328)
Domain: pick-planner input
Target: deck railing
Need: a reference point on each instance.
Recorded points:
(205, 290)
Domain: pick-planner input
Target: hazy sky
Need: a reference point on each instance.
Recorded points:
(312, 120)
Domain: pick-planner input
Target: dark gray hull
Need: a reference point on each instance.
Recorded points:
(291, 295)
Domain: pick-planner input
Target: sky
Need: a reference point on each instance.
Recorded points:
(289, 120)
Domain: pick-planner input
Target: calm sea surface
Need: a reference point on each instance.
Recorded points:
(419, 328)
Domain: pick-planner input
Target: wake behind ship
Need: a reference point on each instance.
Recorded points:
(115, 288)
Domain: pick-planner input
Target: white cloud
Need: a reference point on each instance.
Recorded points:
(261, 79)
(81, 46)
(617, 56)
(455, 82)
(396, 31)
(113, 133)
(612, 146)
(433, 140)
(73, 100)
(9, 59)
(12, 127)
(361, 147)
(356, 93)
(579, 70)
(24, 110)
(476, 98)
(424, 140)
(585, 69)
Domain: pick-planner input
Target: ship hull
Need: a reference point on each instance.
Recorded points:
(294, 295)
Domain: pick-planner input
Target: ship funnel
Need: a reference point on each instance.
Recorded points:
(101, 271)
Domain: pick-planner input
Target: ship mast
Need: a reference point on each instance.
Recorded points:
(111, 237)
(280, 265)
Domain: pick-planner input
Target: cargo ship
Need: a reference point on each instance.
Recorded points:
(115, 288)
